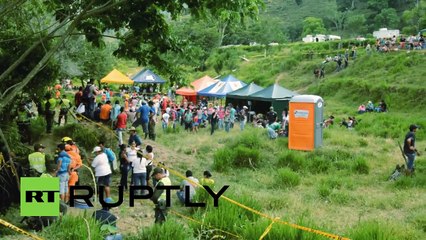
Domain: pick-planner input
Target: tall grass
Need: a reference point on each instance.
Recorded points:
(375, 230)
(227, 216)
(287, 178)
(170, 229)
(279, 231)
(74, 228)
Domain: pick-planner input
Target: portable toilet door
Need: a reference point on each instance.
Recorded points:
(305, 124)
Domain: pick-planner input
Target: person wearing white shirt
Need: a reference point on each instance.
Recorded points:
(190, 182)
(139, 171)
(102, 170)
(165, 121)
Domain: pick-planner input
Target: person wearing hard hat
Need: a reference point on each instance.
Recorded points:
(69, 141)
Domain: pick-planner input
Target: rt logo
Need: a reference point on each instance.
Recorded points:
(39, 196)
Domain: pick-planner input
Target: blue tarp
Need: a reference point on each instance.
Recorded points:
(220, 89)
(147, 76)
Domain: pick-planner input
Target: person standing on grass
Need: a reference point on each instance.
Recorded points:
(124, 166)
(232, 113)
(149, 155)
(139, 171)
(120, 125)
(78, 97)
(213, 120)
(243, 117)
(134, 137)
(410, 147)
(63, 171)
(165, 120)
(143, 117)
(159, 196)
(102, 170)
(49, 109)
(226, 119)
(105, 113)
(64, 106)
(152, 121)
(116, 109)
(221, 116)
(37, 160)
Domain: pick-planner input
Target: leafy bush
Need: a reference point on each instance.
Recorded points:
(293, 160)
(245, 157)
(170, 229)
(238, 157)
(287, 178)
(222, 159)
(250, 139)
(37, 128)
(86, 136)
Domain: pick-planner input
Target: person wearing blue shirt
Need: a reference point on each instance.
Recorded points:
(62, 171)
(143, 117)
(115, 111)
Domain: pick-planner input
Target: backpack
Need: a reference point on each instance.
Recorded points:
(86, 92)
(112, 158)
(110, 154)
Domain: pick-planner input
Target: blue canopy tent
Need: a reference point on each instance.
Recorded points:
(220, 89)
(147, 76)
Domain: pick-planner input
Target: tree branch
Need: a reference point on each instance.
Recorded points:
(11, 68)
(10, 7)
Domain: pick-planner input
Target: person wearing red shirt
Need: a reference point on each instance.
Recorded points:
(121, 124)
(78, 97)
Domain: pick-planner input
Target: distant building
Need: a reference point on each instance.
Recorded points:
(385, 33)
(320, 38)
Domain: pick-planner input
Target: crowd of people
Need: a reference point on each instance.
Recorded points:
(411, 42)
(370, 107)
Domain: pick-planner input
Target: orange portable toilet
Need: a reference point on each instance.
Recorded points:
(305, 122)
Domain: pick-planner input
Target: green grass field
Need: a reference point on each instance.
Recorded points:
(340, 188)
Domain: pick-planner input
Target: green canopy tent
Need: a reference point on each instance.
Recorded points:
(239, 97)
(275, 96)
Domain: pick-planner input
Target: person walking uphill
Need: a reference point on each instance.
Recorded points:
(49, 112)
(159, 196)
(410, 147)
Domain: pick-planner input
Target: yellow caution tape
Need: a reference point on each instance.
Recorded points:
(325, 234)
(267, 230)
(19, 230)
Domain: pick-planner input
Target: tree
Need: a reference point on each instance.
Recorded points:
(312, 25)
(415, 19)
(387, 18)
(141, 26)
(356, 24)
